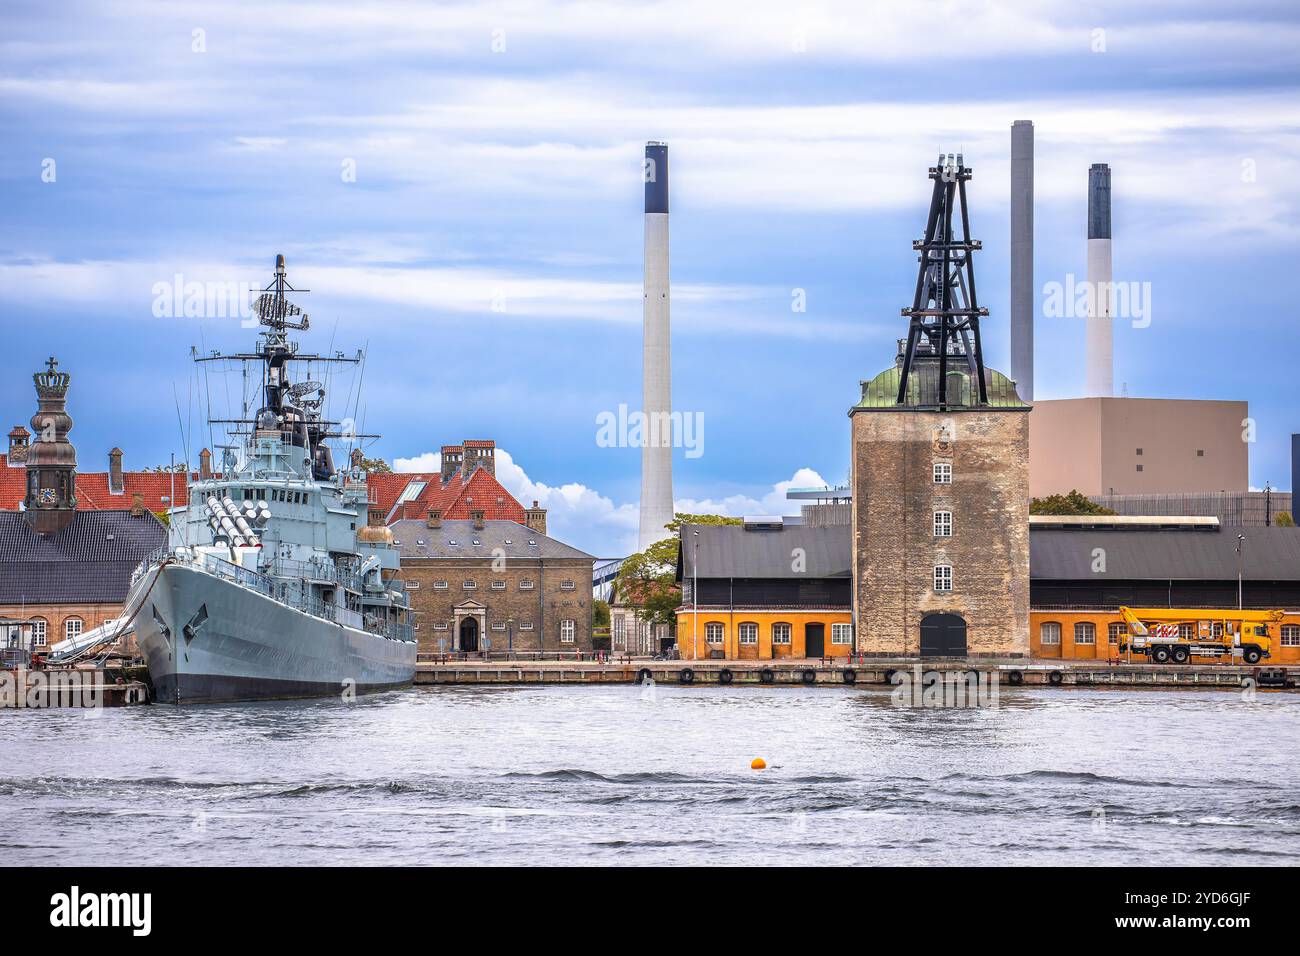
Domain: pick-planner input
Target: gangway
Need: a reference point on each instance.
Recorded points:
(75, 648)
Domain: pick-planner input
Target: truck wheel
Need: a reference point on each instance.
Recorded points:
(1160, 655)
(1251, 655)
(1181, 654)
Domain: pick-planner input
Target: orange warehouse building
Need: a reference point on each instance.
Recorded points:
(766, 590)
(769, 590)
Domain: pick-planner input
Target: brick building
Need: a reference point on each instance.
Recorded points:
(493, 585)
(65, 567)
(940, 515)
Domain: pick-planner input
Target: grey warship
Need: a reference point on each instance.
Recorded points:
(271, 584)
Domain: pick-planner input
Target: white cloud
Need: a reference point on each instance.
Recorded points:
(430, 461)
(773, 502)
(583, 517)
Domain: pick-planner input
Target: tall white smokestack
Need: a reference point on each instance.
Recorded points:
(1100, 375)
(1022, 258)
(656, 355)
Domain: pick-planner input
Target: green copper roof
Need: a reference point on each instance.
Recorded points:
(923, 388)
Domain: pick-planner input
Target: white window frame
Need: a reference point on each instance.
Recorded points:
(943, 473)
(1116, 631)
(40, 632)
(498, 625)
(412, 585)
(525, 625)
(568, 631)
(498, 585)
(747, 632)
(715, 628)
(841, 633)
(1290, 635)
(567, 585)
(1085, 633)
(441, 626)
(1049, 634)
(525, 585)
(943, 524)
(440, 585)
(469, 585)
(943, 578)
(781, 633)
(73, 627)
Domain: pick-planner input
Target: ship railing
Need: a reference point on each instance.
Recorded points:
(315, 571)
(393, 630)
(253, 580)
(149, 560)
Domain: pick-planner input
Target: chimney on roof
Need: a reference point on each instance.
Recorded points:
(452, 456)
(480, 453)
(205, 464)
(18, 439)
(375, 516)
(535, 518)
(356, 458)
(476, 515)
(137, 504)
(435, 518)
(115, 471)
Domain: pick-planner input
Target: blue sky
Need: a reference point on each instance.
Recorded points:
(799, 136)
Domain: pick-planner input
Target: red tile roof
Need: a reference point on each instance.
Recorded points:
(457, 497)
(92, 489)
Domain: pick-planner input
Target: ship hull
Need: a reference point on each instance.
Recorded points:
(206, 639)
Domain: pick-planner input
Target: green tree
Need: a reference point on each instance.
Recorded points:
(599, 613)
(1075, 503)
(648, 579)
(375, 466)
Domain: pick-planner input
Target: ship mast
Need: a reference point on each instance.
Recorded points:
(294, 409)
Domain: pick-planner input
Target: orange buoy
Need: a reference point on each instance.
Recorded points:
(758, 764)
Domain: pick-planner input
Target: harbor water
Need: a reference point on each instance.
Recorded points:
(626, 774)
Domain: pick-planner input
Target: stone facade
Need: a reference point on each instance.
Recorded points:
(524, 605)
(895, 546)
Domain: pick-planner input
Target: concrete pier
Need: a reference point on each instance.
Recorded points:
(89, 689)
(1010, 674)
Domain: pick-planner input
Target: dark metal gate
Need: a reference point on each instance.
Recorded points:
(943, 635)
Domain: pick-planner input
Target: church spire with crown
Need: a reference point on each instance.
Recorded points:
(51, 499)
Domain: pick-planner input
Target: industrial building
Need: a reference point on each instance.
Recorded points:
(1101, 444)
(1239, 509)
(1137, 446)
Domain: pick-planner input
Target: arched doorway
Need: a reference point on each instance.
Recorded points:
(469, 634)
(943, 635)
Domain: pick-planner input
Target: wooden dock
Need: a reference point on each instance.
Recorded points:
(805, 673)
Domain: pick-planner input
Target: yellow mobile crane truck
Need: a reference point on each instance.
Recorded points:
(1177, 633)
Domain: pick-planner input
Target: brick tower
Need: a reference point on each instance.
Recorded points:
(940, 470)
(51, 499)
